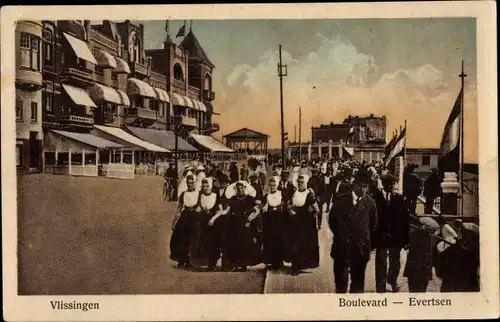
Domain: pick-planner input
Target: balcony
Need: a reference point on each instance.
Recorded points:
(183, 121)
(109, 118)
(76, 74)
(208, 95)
(139, 68)
(211, 128)
(178, 84)
(102, 39)
(139, 116)
(193, 93)
(77, 119)
(158, 80)
(28, 79)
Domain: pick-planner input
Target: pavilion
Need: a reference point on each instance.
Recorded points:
(248, 141)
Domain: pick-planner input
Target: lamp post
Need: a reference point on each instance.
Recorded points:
(282, 72)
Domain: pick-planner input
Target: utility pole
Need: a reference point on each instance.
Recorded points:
(295, 133)
(461, 163)
(300, 134)
(282, 72)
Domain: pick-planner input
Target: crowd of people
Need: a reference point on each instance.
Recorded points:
(246, 217)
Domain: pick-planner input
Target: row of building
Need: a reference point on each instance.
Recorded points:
(361, 138)
(73, 77)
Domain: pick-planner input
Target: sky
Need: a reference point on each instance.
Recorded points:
(405, 69)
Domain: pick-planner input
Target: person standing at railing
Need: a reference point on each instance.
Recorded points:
(432, 189)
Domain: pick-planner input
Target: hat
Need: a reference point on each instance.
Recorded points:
(200, 167)
(389, 177)
(285, 171)
(188, 167)
(314, 170)
(223, 178)
(362, 178)
(231, 189)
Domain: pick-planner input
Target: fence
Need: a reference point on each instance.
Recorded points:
(118, 170)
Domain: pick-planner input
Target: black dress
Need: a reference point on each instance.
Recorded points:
(273, 230)
(200, 246)
(242, 242)
(302, 232)
(181, 236)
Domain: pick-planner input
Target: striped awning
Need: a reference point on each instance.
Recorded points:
(161, 95)
(100, 93)
(182, 100)
(104, 59)
(80, 48)
(199, 106)
(78, 95)
(138, 87)
(121, 66)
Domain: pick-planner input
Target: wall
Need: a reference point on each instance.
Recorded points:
(416, 157)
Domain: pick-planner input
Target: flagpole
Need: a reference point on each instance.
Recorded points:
(404, 152)
(461, 164)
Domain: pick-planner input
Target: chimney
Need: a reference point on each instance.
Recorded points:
(88, 27)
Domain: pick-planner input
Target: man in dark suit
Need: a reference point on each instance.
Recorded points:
(340, 186)
(285, 186)
(317, 184)
(391, 235)
(353, 221)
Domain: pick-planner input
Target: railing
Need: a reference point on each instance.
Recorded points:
(109, 118)
(182, 121)
(77, 119)
(102, 39)
(159, 78)
(118, 170)
(141, 112)
(56, 169)
(87, 170)
(72, 72)
(140, 68)
(212, 127)
(178, 84)
(193, 92)
(208, 95)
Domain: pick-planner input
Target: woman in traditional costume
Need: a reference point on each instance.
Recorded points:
(242, 240)
(200, 246)
(302, 234)
(182, 223)
(273, 226)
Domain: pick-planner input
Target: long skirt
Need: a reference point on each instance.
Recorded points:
(273, 238)
(180, 239)
(200, 245)
(302, 240)
(217, 234)
(242, 245)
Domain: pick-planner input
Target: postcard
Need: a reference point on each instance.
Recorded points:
(250, 162)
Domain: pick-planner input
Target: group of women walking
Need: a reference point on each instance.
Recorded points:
(242, 228)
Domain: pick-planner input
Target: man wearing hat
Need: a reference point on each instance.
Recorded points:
(317, 184)
(285, 186)
(353, 221)
(432, 189)
(391, 235)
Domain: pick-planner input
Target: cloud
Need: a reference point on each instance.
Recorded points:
(332, 82)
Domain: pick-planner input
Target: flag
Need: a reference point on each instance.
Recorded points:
(166, 26)
(398, 148)
(182, 31)
(350, 134)
(389, 146)
(449, 158)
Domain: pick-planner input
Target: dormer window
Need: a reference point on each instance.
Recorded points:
(135, 48)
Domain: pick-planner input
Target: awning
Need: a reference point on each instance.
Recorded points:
(199, 106)
(161, 95)
(126, 137)
(182, 100)
(138, 87)
(105, 59)
(100, 93)
(210, 143)
(80, 48)
(78, 96)
(165, 139)
(121, 66)
(350, 151)
(89, 139)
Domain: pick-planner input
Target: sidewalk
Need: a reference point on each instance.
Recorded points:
(320, 280)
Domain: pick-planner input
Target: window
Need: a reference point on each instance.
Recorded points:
(426, 160)
(178, 73)
(34, 111)
(19, 110)
(30, 51)
(18, 155)
(162, 108)
(99, 70)
(138, 102)
(47, 45)
(48, 97)
(114, 75)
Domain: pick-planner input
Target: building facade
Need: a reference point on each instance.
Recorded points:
(29, 83)
(72, 75)
(357, 137)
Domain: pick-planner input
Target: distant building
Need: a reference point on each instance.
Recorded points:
(357, 137)
(248, 141)
(424, 157)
